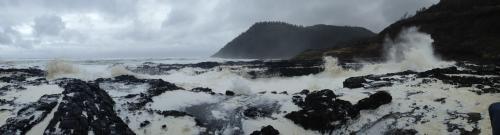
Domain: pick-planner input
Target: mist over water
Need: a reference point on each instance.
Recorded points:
(413, 51)
(410, 50)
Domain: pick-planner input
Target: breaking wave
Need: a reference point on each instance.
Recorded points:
(57, 68)
(411, 50)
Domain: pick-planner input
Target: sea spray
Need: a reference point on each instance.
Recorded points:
(413, 50)
(57, 67)
(117, 70)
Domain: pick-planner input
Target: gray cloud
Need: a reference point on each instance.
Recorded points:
(156, 28)
(48, 25)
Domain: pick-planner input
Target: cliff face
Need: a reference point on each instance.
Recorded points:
(461, 29)
(266, 40)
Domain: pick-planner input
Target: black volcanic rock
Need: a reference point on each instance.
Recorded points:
(322, 111)
(29, 116)
(86, 107)
(374, 101)
(267, 130)
(354, 82)
(266, 40)
(156, 87)
(461, 30)
(202, 89)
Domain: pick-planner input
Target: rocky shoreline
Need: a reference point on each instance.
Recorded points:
(99, 106)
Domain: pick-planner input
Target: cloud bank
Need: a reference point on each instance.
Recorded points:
(170, 28)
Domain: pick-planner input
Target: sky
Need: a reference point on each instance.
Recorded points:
(168, 28)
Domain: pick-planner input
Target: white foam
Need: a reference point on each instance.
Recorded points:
(31, 93)
(179, 99)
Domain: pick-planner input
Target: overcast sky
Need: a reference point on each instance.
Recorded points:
(170, 28)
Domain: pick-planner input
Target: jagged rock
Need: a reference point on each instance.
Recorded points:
(374, 101)
(29, 71)
(254, 112)
(172, 113)
(401, 132)
(229, 93)
(201, 89)
(13, 78)
(85, 107)
(267, 130)
(144, 123)
(472, 118)
(29, 116)
(440, 100)
(156, 87)
(377, 84)
(354, 82)
(322, 111)
(284, 92)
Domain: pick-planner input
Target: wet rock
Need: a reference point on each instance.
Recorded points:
(322, 111)
(85, 107)
(206, 65)
(254, 112)
(354, 82)
(267, 130)
(144, 123)
(377, 84)
(201, 89)
(304, 92)
(32, 72)
(128, 79)
(298, 100)
(374, 101)
(10, 87)
(454, 76)
(229, 93)
(156, 87)
(29, 116)
(472, 119)
(6, 102)
(282, 68)
(401, 132)
(440, 100)
(172, 113)
(13, 78)
(488, 90)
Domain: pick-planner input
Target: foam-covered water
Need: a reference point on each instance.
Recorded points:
(411, 50)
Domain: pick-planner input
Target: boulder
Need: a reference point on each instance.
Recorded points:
(374, 101)
(267, 130)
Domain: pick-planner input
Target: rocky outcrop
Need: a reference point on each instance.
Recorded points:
(461, 29)
(258, 68)
(86, 108)
(374, 101)
(376, 81)
(29, 116)
(13, 75)
(267, 130)
(324, 112)
(271, 40)
(156, 87)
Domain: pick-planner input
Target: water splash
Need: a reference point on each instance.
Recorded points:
(56, 68)
(413, 50)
